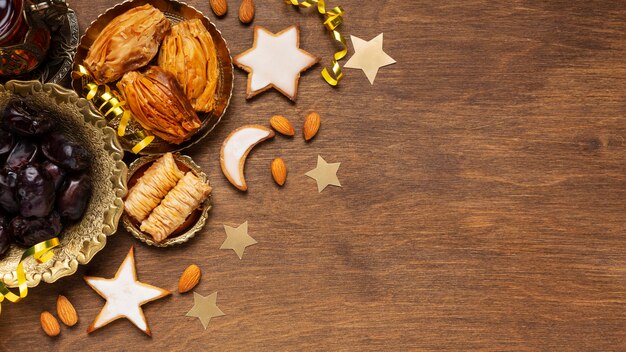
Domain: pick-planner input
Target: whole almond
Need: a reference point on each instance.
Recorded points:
(49, 324)
(66, 312)
(312, 124)
(279, 171)
(282, 125)
(189, 279)
(219, 7)
(246, 11)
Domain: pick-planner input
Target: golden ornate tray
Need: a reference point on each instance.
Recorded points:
(176, 12)
(81, 241)
(194, 223)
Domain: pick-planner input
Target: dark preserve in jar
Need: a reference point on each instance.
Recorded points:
(13, 27)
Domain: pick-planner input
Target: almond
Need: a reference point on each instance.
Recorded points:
(246, 11)
(279, 171)
(282, 125)
(49, 324)
(312, 124)
(189, 279)
(65, 310)
(219, 7)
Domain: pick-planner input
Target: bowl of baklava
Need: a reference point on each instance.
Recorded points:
(168, 201)
(167, 64)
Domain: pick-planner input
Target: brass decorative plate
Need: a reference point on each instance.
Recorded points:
(76, 118)
(194, 223)
(176, 12)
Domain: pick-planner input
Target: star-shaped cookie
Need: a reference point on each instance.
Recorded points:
(369, 56)
(125, 296)
(325, 174)
(205, 308)
(275, 60)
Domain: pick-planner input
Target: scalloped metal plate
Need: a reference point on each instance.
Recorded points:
(79, 242)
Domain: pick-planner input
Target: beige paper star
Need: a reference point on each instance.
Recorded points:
(125, 296)
(369, 56)
(205, 308)
(325, 174)
(238, 239)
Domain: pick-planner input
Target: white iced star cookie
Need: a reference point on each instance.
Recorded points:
(125, 296)
(275, 60)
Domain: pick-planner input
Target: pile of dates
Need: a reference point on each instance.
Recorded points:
(44, 182)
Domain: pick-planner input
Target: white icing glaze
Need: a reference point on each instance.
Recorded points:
(124, 295)
(276, 60)
(235, 148)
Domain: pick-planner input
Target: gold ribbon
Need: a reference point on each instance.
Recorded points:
(333, 18)
(109, 104)
(41, 253)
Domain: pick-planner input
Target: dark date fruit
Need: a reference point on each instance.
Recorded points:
(28, 232)
(35, 191)
(8, 201)
(22, 153)
(6, 143)
(65, 153)
(24, 120)
(5, 237)
(56, 173)
(74, 196)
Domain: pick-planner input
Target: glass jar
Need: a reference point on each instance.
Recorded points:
(13, 26)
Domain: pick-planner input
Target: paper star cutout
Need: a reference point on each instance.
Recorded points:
(275, 60)
(205, 308)
(325, 174)
(369, 56)
(238, 239)
(125, 296)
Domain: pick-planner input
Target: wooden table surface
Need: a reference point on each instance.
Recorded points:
(482, 208)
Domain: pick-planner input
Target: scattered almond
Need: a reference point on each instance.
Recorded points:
(189, 279)
(66, 312)
(49, 324)
(312, 124)
(246, 11)
(282, 125)
(279, 171)
(219, 7)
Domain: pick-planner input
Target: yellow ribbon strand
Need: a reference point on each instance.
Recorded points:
(333, 19)
(41, 252)
(144, 143)
(121, 129)
(109, 104)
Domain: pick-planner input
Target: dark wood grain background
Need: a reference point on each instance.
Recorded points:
(483, 205)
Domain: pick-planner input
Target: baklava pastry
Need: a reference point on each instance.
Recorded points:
(152, 187)
(127, 43)
(159, 105)
(177, 205)
(188, 52)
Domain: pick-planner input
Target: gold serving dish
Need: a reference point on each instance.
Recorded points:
(176, 12)
(194, 222)
(77, 119)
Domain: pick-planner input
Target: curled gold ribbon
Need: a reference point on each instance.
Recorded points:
(333, 18)
(41, 252)
(108, 103)
(137, 148)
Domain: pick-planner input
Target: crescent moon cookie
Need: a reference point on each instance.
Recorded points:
(275, 60)
(124, 295)
(236, 148)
